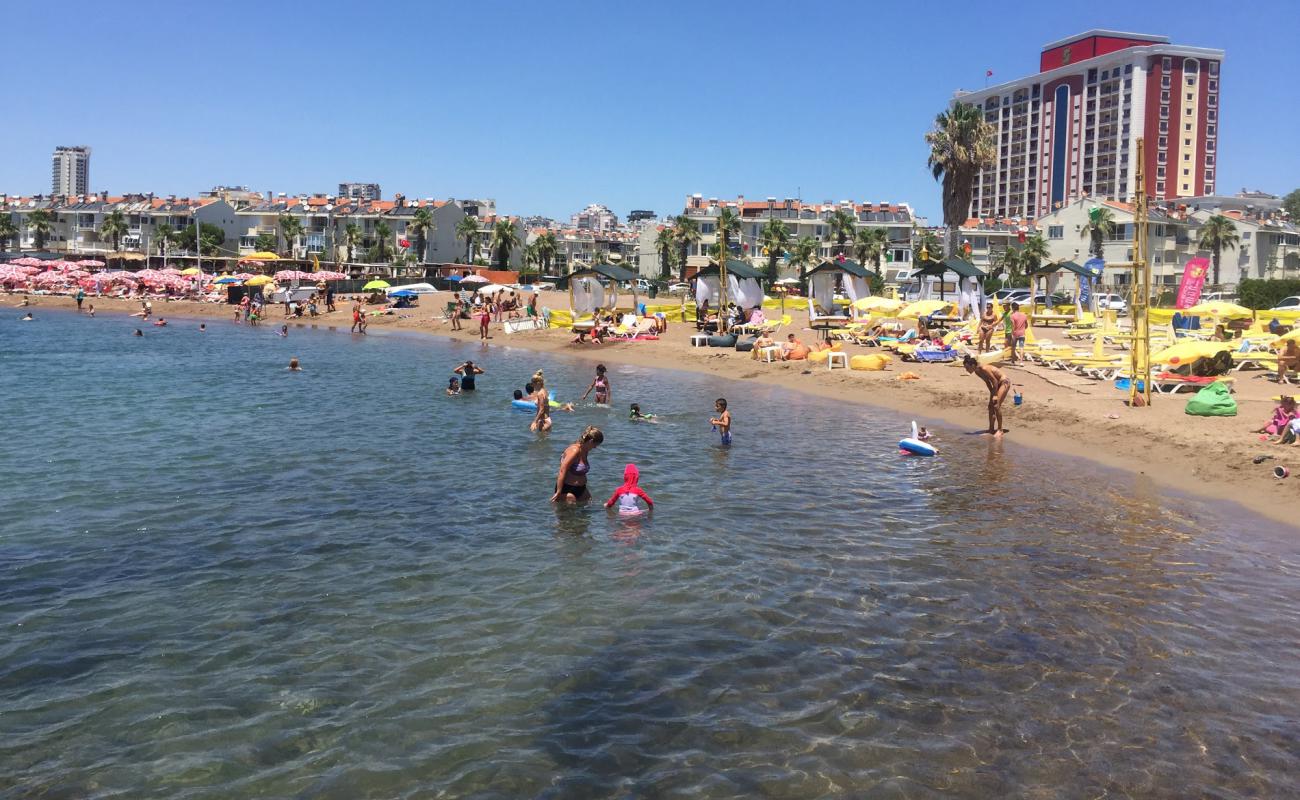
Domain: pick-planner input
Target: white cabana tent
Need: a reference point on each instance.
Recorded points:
(743, 287)
(587, 292)
(822, 280)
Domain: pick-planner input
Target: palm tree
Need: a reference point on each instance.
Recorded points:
(775, 238)
(1100, 227)
(842, 225)
(802, 254)
(467, 229)
(869, 246)
(113, 228)
(265, 243)
(163, 236)
(290, 229)
(351, 238)
(421, 225)
(547, 247)
(687, 233)
(504, 240)
(383, 239)
(1008, 262)
(8, 230)
(1033, 253)
(728, 226)
(531, 258)
(665, 246)
(961, 145)
(1217, 233)
(924, 241)
(40, 225)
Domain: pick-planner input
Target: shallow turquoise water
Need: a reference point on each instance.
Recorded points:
(222, 579)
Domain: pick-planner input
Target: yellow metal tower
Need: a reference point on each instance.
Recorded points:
(1140, 359)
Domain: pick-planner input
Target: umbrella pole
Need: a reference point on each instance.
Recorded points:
(722, 297)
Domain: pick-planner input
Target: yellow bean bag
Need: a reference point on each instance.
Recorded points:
(818, 357)
(872, 363)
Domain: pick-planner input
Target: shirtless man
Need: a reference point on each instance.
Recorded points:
(999, 387)
(793, 349)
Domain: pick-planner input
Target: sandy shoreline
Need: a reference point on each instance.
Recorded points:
(1202, 456)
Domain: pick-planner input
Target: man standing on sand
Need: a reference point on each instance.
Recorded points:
(1019, 325)
(999, 386)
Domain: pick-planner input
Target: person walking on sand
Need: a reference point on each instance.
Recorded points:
(484, 318)
(722, 422)
(356, 315)
(457, 309)
(1019, 326)
(571, 479)
(999, 387)
(81, 296)
(988, 323)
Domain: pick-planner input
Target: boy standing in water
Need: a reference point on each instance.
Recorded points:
(722, 422)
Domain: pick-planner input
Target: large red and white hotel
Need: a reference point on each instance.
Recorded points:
(1071, 130)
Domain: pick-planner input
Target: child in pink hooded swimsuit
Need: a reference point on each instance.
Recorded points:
(627, 494)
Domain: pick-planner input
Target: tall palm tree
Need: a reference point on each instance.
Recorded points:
(802, 254)
(842, 225)
(1217, 233)
(1033, 253)
(869, 246)
(421, 225)
(961, 145)
(504, 240)
(163, 237)
(1099, 228)
(1009, 263)
(40, 223)
(728, 227)
(8, 230)
(290, 228)
(687, 233)
(113, 228)
(775, 238)
(547, 247)
(351, 238)
(383, 240)
(924, 240)
(532, 261)
(666, 247)
(467, 230)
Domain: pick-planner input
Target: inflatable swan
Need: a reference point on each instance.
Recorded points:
(913, 446)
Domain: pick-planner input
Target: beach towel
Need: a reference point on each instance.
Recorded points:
(1213, 401)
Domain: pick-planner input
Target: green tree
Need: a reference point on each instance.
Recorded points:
(113, 228)
(842, 225)
(163, 237)
(40, 223)
(504, 240)
(290, 229)
(212, 238)
(1099, 228)
(728, 227)
(687, 233)
(383, 241)
(666, 247)
(924, 240)
(961, 144)
(532, 261)
(802, 254)
(421, 226)
(1034, 253)
(869, 246)
(8, 230)
(547, 248)
(467, 231)
(1291, 205)
(1008, 263)
(774, 236)
(1217, 233)
(265, 243)
(351, 239)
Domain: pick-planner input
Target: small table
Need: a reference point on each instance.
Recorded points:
(700, 340)
(768, 352)
(835, 356)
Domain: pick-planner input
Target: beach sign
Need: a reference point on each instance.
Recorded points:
(1189, 288)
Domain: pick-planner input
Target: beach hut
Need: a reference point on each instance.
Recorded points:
(970, 282)
(742, 284)
(1085, 273)
(596, 287)
(822, 280)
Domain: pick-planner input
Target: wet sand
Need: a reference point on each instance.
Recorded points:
(1204, 456)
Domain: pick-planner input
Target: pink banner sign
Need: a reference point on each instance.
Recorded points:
(1189, 288)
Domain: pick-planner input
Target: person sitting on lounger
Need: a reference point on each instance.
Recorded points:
(1288, 359)
(756, 316)
(793, 349)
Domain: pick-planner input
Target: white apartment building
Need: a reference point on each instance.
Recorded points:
(1269, 246)
(594, 217)
(71, 171)
(75, 221)
(1171, 240)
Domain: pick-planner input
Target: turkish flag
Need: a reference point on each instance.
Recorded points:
(988, 73)
(404, 242)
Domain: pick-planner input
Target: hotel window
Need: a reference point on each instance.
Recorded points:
(1211, 115)
(1187, 112)
(1213, 85)
(1191, 81)
(1160, 158)
(1160, 172)
(1190, 65)
(1212, 100)
(1187, 143)
(1209, 174)
(1160, 186)
(1165, 82)
(1186, 172)
(1187, 127)
(1166, 64)
(1210, 129)
(1164, 127)
(1209, 189)
(1128, 69)
(1214, 68)
(1162, 142)
(1209, 159)
(1164, 97)
(1164, 112)
(1189, 95)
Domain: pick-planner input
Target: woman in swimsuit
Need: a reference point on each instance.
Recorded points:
(601, 385)
(988, 323)
(571, 481)
(999, 386)
(541, 422)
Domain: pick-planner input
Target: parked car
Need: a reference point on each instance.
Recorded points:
(679, 288)
(1112, 301)
(1219, 297)
(1291, 303)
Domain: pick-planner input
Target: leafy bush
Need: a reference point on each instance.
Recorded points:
(1256, 293)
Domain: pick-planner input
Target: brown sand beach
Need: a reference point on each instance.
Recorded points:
(1205, 456)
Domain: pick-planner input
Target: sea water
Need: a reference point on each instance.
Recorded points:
(220, 578)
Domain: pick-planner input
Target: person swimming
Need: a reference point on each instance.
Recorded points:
(161, 323)
(294, 366)
(453, 387)
(284, 330)
(203, 328)
(627, 494)
(635, 414)
(139, 332)
(27, 317)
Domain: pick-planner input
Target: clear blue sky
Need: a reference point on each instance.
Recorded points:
(550, 106)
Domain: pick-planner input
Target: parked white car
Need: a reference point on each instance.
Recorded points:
(1291, 303)
(1112, 301)
(678, 288)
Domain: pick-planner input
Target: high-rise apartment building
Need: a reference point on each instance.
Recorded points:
(360, 191)
(1071, 129)
(71, 173)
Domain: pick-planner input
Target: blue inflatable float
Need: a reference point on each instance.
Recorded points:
(913, 446)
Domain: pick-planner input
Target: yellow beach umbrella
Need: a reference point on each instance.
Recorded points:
(923, 308)
(878, 305)
(1220, 310)
(261, 255)
(259, 280)
(375, 284)
(1185, 352)
(190, 271)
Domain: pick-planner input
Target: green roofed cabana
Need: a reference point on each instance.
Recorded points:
(821, 287)
(742, 284)
(957, 266)
(588, 292)
(735, 267)
(970, 282)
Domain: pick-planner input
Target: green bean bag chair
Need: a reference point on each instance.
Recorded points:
(1213, 401)
(723, 341)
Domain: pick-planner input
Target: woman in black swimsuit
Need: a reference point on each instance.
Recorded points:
(571, 481)
(467, 371)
